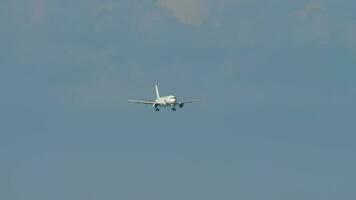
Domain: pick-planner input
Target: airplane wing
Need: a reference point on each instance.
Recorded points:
(188, 101)
(181, 103)
(142, 101)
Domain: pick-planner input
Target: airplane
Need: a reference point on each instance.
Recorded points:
(166, 101)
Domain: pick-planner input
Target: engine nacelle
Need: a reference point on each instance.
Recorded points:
(181, 105)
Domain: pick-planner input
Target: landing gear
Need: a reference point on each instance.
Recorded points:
(156, 107)
(173, 107)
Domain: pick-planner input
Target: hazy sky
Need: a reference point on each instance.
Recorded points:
(277, 81)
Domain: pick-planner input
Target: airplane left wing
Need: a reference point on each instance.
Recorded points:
(181, 103)
(142, 101)
(188, 101)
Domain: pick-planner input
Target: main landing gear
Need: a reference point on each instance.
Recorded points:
(173, 108)
(157, 109)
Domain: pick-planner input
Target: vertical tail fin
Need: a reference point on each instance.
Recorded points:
(157, 92)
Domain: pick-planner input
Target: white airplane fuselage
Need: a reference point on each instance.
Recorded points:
(166, 101)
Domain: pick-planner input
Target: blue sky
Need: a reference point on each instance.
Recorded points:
(276, 79)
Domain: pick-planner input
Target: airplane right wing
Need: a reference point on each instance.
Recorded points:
(142, 101)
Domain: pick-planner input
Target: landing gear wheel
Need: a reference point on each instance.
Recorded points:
(174, 109)
(157, 109)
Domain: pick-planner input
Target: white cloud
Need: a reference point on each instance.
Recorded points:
(192, 12)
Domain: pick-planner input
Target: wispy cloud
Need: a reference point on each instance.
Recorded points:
(313, 22)
(191, 12)
(350, 39)
(37, 11)
(310, 9)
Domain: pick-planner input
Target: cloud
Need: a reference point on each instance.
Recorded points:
(350, 37)
(352, 34)
(310, 9)
(37, 11)
(191, 12)
(313, 23)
